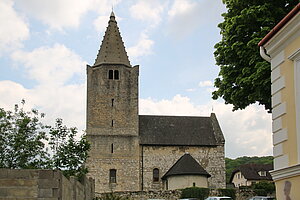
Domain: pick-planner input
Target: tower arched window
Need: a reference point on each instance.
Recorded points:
(116, 74)
(110, 74)
(155, 175)
(113, 74)
(112, 176)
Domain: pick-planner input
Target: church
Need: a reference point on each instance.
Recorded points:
(132, 152)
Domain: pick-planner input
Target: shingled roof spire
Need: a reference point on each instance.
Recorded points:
(112, 49)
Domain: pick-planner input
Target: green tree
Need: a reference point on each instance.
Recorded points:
(26, 143)
(268, 187)
(244, 77)
(69, 154)
(21, 139)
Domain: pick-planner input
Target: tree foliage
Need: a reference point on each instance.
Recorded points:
(69, 154)
(244, 77)
(21, 139)
(232, 164)
(26, 143)
(268, 187)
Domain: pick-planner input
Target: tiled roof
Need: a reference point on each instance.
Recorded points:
(112, 49)
(179, 130)
(186, 165)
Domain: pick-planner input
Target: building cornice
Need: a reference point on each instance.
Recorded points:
(287, 172)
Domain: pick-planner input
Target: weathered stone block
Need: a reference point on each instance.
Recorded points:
(21, 192)
(3, 173)
(45, 192)
(45, 174)
(22, 174)
(18, 182)
(48, 183)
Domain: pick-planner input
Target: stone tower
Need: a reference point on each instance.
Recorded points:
(112, 116)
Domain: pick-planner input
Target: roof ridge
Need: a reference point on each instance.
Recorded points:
(176, 116)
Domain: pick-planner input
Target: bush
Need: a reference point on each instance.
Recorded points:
(260, 192)
(111, 196)
(245, 187)
(268, 187)
(227, 192)
(195, 192)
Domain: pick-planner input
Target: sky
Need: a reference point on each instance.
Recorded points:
(46, 45)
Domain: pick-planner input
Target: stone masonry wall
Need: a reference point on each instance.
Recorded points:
(175, 194)
(124, 159)
(164, 157)
(19, 184)
(101, 91)
(112, 127)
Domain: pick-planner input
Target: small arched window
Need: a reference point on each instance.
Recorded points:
(155, 175)
(116, 75)
(112, 176)
(113, 74)
(110, 74)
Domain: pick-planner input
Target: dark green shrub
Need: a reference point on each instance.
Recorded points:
(195, 192)
(245, 187)
(111, 196)
(227, 192)
(269, 187)
(260, 192)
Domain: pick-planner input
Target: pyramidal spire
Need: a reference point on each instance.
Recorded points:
(112, 49)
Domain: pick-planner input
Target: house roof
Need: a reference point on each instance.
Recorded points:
(179, 130)
(186, 165)
(250, 171)
(112, 49)
(279, 26)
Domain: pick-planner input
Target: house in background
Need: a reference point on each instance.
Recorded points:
(281, 47)
(249, 174)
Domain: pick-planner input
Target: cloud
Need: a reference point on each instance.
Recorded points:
(13, 28)
(50, 65)
(142, 48)
(185, 16)
(101, 23)
(66, 102)
(55, 13)
(11, 93)
(59, 14)
(56, 93)
(147, 11)
(206, 84)
(178, 105)
(150, 13)
(191, 90)
(247, 132)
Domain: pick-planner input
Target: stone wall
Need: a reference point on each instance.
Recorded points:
(18, 184)
(164, 157)
(112, 100)
(175, 194)
(112, 127)
(140, 195)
